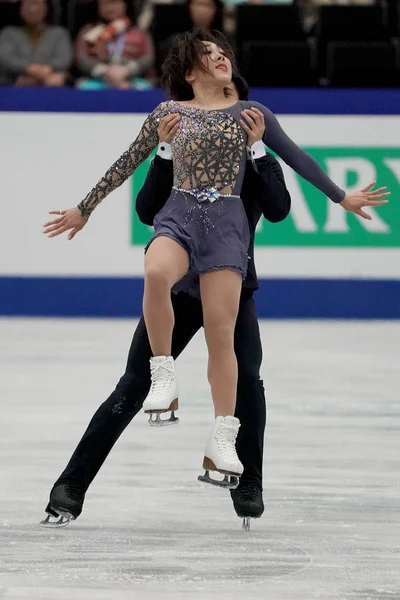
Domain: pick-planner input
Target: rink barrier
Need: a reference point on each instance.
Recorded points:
(276, 299)
(280, 101)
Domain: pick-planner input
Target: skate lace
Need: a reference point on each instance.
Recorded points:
(226, 441)
(248, 492)
(161, 376)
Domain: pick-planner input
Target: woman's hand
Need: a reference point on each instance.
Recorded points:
(168, 127)
(356, 201)
(68, 219)
(254, 125)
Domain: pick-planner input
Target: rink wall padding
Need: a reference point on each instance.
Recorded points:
(281, 101)
(276, 299)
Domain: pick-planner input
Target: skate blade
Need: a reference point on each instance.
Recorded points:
(51, 522)
(246, 522)
(208, 466)
(155, 419)
(229, 482)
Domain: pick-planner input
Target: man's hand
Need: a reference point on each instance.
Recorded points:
(356, 201)
(168, 127)
(254, 125)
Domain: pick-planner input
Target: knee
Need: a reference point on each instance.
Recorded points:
(248, 373)
(249, 382)
(157, 276)
(249, 359)
(133, 388)
(219, 336)
(250, 398)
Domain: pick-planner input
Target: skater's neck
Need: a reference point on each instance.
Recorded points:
(209, 97)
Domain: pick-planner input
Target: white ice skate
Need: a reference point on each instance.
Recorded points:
(220, 453)
(163, 394)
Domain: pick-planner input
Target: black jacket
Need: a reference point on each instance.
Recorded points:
(263, 193)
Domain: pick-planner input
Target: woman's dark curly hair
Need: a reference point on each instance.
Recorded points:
(185, 55)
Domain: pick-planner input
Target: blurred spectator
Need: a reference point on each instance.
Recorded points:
(310, 9)
(208, 14)
(199, 13)
(114, 52)
(233, 2)
(205, 13)
(35, 53)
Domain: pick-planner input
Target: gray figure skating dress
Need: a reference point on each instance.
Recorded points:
(204, 213)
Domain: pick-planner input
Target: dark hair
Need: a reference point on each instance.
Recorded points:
(241, 85)
(218, 20)
(185, 55)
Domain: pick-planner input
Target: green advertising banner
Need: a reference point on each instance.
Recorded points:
(314, 220)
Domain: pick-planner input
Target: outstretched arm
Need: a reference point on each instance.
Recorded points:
(123, 168)
(75, 219)
(308, 168)
(276, 139)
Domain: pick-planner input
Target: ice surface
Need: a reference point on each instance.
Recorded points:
(149, 530)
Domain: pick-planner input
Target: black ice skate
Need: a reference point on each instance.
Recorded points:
(66, 502)
(248, 502)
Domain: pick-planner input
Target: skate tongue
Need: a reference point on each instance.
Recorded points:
(160, 359)
(231, 422)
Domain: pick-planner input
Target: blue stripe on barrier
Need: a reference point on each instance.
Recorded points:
(280, 101)
(277, 298)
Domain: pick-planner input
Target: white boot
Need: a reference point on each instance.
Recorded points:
(163, 394)
(220, 453)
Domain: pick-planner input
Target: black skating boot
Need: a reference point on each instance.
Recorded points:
(248, 502)
(66, 502)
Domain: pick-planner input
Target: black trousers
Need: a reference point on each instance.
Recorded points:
(125, 402)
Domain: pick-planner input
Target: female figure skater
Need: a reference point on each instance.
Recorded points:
(203, 225)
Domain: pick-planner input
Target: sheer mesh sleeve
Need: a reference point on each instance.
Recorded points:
(123, 168)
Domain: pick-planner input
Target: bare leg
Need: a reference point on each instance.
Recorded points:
(166, 262)
(220, 295)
